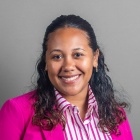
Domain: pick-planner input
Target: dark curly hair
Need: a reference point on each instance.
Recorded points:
(110, 110)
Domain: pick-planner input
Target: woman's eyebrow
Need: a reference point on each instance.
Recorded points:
(78, 49)
(57, 50)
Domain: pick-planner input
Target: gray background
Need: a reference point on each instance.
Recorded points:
(117, 27)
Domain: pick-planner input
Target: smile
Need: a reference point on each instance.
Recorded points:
(70, 79)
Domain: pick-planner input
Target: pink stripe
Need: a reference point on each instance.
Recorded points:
(65, 107)
(78, 126)
(91, 98)
(90, 106)
(58, 98)
(92, 131)
(82, 125)
(87, 118)
(88, 127)
(90, 94)
(65, 133)
(104, 136)
(68, 127)
(96, 112)
(91, 101)
(61, 103)
(66, 138)
(56, 94)
(109, 137)
(96, 128)
(74, 127)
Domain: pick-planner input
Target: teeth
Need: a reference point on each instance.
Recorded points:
(70, 78)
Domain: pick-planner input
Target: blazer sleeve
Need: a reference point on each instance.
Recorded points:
(11, 121)
(126, 130)
(126, 133)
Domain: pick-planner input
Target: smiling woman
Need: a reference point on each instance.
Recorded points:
(74, 97)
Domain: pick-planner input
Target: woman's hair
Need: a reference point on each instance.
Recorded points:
(110, 111)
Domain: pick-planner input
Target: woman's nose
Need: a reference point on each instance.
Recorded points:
(68, 65)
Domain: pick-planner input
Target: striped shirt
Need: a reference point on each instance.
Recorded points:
(75, 128)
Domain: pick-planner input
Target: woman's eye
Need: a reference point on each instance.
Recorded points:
(77, 54)
(57, 57)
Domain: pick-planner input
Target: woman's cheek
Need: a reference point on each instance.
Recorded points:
(86, 65)
(53, 67)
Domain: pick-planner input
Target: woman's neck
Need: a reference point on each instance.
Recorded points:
(80, 102)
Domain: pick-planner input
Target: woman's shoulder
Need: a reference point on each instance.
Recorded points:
(22, 104)
(15, 114)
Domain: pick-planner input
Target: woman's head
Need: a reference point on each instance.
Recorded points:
(65, 38)
(70, 61)
(69, 22)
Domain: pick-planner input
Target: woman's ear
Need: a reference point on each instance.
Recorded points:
(95, 58)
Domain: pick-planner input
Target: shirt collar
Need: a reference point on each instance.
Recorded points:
(92, 103)
(61, 103)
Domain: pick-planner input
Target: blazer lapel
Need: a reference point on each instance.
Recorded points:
(55, 134)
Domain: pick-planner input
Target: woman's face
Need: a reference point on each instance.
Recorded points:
(70, 61)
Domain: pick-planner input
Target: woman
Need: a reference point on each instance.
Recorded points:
(74, 98)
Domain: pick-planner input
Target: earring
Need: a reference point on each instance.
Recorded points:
(96, 69)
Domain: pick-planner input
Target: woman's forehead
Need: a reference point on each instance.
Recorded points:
(68, 35)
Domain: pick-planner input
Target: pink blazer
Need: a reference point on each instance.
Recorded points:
(16, 123)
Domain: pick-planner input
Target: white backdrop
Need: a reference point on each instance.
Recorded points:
(117, 27)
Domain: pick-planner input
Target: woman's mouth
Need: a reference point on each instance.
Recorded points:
(70, 79)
